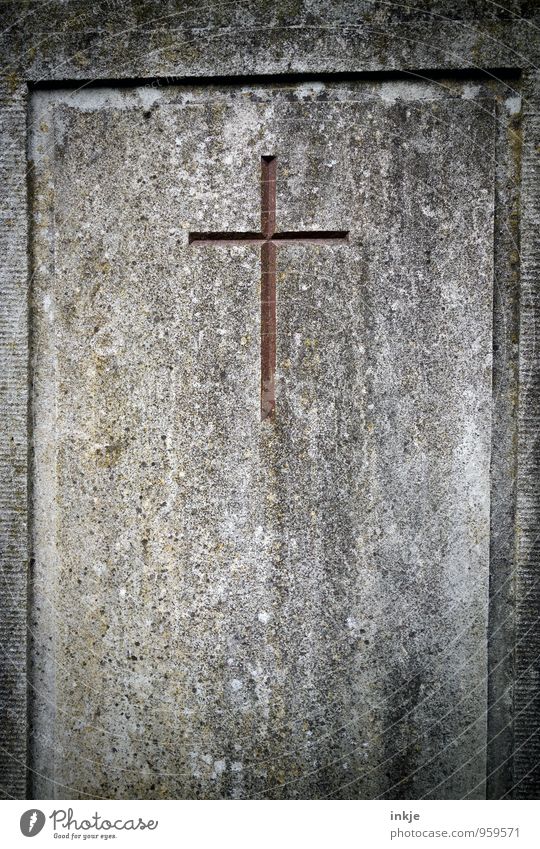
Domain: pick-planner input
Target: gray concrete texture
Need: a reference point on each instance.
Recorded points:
(230, 608)
(115, 39)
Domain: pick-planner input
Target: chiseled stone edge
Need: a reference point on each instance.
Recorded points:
(120, 38)
(527, 645)
(13, 443)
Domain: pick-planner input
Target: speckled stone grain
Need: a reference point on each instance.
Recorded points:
(233, 609)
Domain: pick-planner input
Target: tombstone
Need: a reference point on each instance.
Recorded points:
(277, 380)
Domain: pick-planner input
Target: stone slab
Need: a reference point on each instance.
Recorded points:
(226, 608)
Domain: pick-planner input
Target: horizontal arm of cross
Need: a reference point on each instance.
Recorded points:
(310, 237)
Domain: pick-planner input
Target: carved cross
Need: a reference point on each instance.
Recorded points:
(269, 240)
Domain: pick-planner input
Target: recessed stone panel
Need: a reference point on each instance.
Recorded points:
(224, 607)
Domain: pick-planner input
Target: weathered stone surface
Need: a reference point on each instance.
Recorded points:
(13, 447)
(144, 38)
(123, 40)
(526, 755)
(228, 608)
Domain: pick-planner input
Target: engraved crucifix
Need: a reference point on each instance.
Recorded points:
(269, 240)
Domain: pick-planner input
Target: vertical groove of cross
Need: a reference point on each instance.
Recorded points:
(268, 196)
(268, 288)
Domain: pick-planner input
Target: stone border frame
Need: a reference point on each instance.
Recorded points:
(527, 633)
(153, 42)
